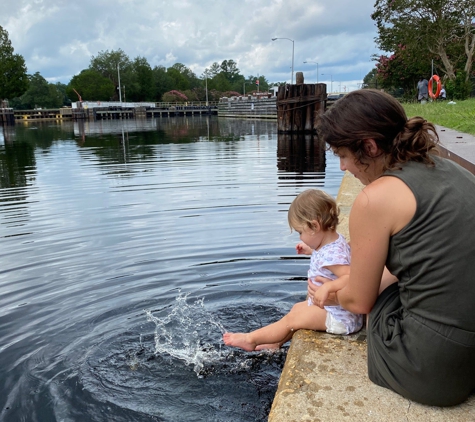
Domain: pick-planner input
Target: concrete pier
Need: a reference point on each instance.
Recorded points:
(325, 376)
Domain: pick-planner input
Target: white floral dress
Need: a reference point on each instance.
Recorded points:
(339, 320)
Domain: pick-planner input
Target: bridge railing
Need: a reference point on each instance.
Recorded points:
(162, 105)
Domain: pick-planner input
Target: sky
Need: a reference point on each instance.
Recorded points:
(58, 38)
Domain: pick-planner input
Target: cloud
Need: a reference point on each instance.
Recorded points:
(59, 38)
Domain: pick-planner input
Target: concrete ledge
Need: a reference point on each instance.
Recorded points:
(325, 379)
(325, 376)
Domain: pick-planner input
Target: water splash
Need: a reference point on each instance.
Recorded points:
(188, 332)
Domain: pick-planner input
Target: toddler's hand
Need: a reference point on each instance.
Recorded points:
(303, 249)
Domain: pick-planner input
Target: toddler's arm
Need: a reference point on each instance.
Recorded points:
(303, 249)
(324, 294)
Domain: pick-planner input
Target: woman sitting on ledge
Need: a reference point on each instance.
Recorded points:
(415, 218)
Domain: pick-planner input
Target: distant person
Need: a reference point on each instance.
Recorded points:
(314, 215)
(422, 89)
(443, 94)
(412, 249)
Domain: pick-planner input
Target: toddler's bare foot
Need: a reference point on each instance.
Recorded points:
(270, 346)
(240, 340)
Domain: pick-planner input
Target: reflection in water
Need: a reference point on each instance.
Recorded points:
(300, 153)
(17, 164)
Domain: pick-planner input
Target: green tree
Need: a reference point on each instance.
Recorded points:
(183, 77)
(111, 64)
(142, 88)
(440, 27)
(36, 96)
(179, 80)
(13, 77)
(57, 95)
(230, 70)
(41, 94)
(214, 69)
(91, 86)
(251, 84)
(58, 90)
(162, 82)
(221, 83)
(371, 79)
(403, 69)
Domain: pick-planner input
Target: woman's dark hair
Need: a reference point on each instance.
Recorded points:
(372, 114)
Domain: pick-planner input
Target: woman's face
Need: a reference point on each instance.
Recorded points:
(365, 173)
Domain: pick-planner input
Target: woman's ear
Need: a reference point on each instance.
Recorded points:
(371, 148)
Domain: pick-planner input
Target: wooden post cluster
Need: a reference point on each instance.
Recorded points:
(6, 116)
(299, 107)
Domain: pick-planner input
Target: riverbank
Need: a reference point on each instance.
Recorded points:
(325, 376)
(457, 115)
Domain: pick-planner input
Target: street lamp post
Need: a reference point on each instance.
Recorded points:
(118, 76)
(331, 82)
(308, 61)
(293, 45)
(205, 73)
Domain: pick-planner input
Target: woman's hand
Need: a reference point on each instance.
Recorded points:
(327, 295)
(321, 294)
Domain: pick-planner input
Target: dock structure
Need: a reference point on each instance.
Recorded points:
(248, 107)
(119, 110)
(7, 116)
(299, 106)
(97, 110)
(42, 114)
(296, 108)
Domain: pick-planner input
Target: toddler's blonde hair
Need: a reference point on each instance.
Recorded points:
(310, 205)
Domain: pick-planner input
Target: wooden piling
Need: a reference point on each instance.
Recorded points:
(299, 107)
(6, 116)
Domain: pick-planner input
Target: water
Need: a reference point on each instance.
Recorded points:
(128, 248)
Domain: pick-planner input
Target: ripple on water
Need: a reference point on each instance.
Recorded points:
(98, 224)
(181, 363)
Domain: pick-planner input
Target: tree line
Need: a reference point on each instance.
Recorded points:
(139, 82)
(419, 38)
(424, 37)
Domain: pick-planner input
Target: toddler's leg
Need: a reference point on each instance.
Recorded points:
(274, 335)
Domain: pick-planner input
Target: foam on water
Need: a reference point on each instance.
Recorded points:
(188, 332)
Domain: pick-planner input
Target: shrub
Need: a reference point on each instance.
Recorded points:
(174, 96)
(458, 89)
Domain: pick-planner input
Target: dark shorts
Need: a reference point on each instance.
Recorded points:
(427, 362)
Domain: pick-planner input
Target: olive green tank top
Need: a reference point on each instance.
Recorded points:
(434, 255)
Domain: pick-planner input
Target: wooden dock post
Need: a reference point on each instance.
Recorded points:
(6, 116)
(299, 106)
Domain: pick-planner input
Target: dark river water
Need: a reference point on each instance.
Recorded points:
(128, 248)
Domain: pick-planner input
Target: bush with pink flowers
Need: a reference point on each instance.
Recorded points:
(174, 96)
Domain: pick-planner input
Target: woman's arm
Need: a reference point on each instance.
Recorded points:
(382, 209)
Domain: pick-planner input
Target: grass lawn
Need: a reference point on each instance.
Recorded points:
(459, 116)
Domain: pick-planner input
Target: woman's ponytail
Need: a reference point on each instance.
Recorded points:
(415, 142)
